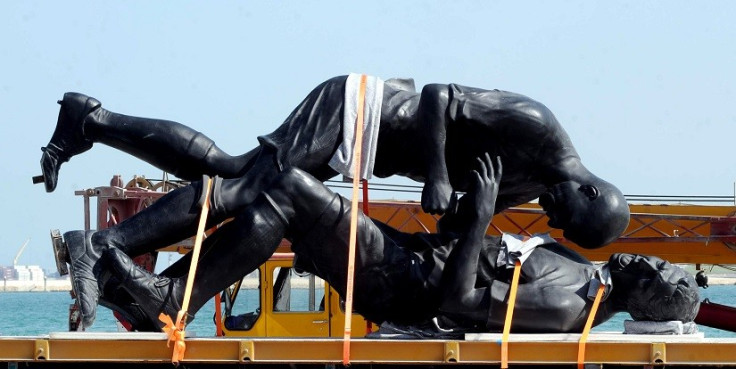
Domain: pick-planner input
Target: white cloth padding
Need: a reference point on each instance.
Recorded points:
(649, 327)
(516, 248)
(342, 160)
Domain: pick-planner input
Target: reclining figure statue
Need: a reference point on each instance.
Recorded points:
(458, 274)
(433, 136)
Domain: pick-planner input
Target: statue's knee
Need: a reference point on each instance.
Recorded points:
(294, 180)
(298, 190)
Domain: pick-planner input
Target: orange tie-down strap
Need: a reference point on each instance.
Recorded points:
(510, 313)
(589, 325)
(357, 151)
(366, 211)
(175, 330)
(509, 316)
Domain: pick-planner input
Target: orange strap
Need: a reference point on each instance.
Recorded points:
(175, 331)
(175, 334)
(357, 151)
(589, 325)
(509, 316)
(218, 316)
(366, 211)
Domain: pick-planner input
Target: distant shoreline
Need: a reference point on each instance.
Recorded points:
(47, 285)
(64, 285)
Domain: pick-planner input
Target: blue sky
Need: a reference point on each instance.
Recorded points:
(646, 90)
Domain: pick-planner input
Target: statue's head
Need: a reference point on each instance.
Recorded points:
(654, 289)
(591, 214)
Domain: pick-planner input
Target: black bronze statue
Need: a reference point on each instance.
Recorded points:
(399, 277)
(433, 136)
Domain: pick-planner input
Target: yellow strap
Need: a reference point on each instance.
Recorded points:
(509, 316)
(175, 331)
(589, 325)
(357, 150)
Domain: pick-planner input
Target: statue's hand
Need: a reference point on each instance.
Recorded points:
(437, 197)
(487, 179)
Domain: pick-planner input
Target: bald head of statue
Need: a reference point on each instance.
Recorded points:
(592, 212)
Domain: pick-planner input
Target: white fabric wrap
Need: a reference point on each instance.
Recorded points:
(669, 327)
(516, 248)
(342, 160)
(602, 274)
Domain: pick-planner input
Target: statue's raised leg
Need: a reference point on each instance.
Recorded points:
(168, 145)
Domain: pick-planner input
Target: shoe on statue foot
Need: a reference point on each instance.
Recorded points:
(68, 138)
(84, 268)
(153, 294)
(128, 312)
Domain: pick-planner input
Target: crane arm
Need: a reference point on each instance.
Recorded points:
(17, 256)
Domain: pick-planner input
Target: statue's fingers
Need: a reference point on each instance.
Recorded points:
(489, 164)
(483, 171)
(499, 167)
(477, 177)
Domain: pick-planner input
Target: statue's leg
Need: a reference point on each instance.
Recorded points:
(300, 208)
(168, 145)
(170, 219)
(291, 204)
(319, 228)
(234, 250)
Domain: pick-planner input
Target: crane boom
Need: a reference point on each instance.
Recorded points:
(17, 256)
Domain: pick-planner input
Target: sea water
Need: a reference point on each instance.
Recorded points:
(40, 313)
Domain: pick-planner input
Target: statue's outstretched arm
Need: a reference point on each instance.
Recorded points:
(460, 295)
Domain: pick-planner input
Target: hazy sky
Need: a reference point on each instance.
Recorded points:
(645, 90)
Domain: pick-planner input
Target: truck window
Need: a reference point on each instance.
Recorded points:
(243, 303)
(294, 292)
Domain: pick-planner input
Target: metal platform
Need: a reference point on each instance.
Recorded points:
(526, 349)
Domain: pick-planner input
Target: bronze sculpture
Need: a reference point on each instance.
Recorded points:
(408, 279)
(445, 128)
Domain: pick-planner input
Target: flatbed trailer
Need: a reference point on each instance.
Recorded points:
(698, 234)
(607, 349)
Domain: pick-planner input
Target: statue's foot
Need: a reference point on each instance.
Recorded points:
(61, 255)
(84, 268)
(126, 309)
(153, 294)
(68, 138)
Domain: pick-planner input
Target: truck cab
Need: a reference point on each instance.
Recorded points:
(278, 301)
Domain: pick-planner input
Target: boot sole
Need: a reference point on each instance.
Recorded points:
(47, 176)
(90, 105)
(78, 282)
(61, 253)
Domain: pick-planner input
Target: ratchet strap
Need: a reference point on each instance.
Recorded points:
(589, 325)
(366, 211)
(509, 315)
(357, 151)
(175, 330)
